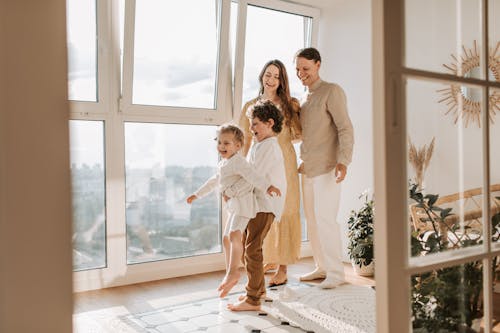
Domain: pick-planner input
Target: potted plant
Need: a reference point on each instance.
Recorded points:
(360, 233)
(446, 299)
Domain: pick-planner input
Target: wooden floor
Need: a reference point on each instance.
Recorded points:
(138, 297)
(144, 297)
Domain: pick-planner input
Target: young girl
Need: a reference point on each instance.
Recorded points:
(235, 178)
(267, 158)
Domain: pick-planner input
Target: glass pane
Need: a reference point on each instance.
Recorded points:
(82, 46)
(495, 163)
(445, 166)
(494, 40)
(449, 41)
(175, 53)
(233, 28)
(448, 299)
(164, 164)
(260, 50)
(88, 190)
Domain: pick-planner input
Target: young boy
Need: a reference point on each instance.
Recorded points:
(234, 170)
(267, 159)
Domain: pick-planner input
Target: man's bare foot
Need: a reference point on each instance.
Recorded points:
(230, 280)
(243, 306)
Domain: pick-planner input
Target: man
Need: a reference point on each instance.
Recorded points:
(326, 151)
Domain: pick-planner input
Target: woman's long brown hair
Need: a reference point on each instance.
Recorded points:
(283, 90)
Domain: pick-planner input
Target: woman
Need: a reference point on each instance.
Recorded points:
(282, 243)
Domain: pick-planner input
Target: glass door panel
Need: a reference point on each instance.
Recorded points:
(448, 299)
(495, 164)
(444, 166)
(450, 39)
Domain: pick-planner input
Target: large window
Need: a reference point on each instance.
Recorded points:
(149, 83)
(164, 164)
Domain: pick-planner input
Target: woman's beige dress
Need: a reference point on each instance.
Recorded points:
(282, 243)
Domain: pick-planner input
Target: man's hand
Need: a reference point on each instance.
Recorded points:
(191, 198)
(225, 197)
(340, 172)
(274, 191)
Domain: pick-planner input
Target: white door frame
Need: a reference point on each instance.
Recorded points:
(394, 266)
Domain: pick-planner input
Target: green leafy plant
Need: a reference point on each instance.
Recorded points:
(447, 299)
(360, 233)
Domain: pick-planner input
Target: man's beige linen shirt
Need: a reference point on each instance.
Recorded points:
(327, 133)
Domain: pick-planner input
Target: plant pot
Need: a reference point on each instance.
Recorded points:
(364, 270)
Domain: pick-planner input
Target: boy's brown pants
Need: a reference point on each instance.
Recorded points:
(253, 238)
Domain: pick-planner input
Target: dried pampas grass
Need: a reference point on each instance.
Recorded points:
(419, 160)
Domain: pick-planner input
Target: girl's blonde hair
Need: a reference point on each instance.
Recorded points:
(233, 129)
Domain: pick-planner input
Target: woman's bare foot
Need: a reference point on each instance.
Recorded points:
(270, 267)
(243, 306)
(279, 278)
(230, 280)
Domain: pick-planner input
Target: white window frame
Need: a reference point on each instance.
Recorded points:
(394, 263)
(114, 110)
(183, 115)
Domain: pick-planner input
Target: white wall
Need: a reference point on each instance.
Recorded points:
(345, 47)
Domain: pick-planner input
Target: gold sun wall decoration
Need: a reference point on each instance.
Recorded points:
(460, 104)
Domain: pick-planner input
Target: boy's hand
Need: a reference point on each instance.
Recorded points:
(191, 198)
(274, 191)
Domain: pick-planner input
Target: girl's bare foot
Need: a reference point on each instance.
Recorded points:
(230, 280)
(243, 306)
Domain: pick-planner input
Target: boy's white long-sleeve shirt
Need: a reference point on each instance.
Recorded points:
(236, 171)
(266, 158)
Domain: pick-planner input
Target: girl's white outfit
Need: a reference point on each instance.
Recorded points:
(236, 178)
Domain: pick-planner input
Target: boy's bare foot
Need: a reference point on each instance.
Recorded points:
(230, 280)
(242, 297)
(243, 306)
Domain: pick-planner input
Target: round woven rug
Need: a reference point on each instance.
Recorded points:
(345, 309)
